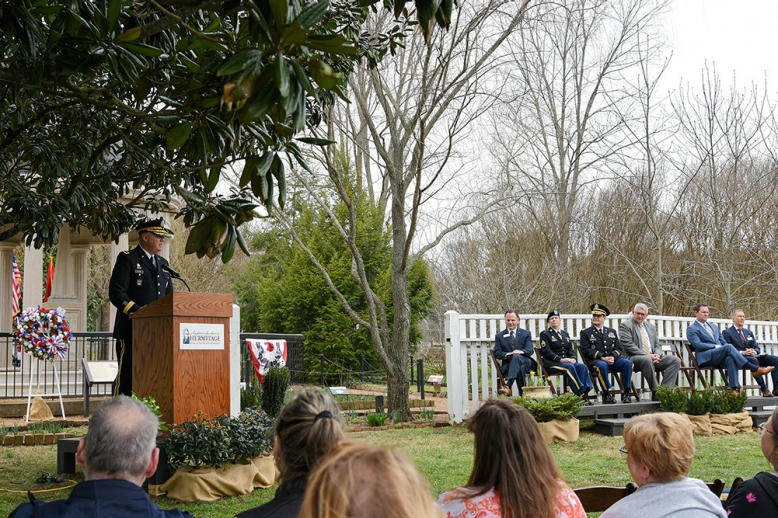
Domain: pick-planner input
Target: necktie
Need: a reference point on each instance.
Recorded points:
(742, 338)
(512, 340)
(644, 340)
(710, 330)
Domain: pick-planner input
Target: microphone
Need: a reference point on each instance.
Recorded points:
(171, 271)
(175, 275)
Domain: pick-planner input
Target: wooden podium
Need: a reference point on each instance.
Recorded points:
(181, 354)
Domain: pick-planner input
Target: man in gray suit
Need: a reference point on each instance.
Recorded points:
(640, 342)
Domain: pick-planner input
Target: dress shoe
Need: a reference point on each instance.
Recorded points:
(767, 393)
(626, 398)
(505, 391)
(761, 371)
(736, 391)
(585, 399)
(654, 397)
(608, 398)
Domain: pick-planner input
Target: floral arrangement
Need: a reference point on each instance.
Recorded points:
(42, 332)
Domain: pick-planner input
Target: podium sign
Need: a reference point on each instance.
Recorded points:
(185, 379)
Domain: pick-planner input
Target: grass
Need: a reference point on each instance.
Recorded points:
(443, 455)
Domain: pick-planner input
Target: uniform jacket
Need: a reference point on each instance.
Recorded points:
(135, 282)
(595, 345)
(702, 342)
(555, 345)
(731, 335)
(629, 336)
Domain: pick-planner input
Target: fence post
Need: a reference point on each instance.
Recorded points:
(361, 368)
(410, 361)
(379, 404)
(456, 370)
(321, 367)
(420, 376)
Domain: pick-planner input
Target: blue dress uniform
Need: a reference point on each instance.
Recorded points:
(598, 343)
(135, 282)
(556, 345)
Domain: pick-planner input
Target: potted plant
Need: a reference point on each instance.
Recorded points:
(555, 415)
(206, 452)
(536, 386)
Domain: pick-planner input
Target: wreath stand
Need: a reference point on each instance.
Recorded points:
(33, 371)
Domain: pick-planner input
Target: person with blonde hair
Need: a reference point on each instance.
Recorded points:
(514, 474)
(306, 429)
(660, 450)
(359, 480)
(758, 497)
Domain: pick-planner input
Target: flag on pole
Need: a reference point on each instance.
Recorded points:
(49, 279)
(17, 287)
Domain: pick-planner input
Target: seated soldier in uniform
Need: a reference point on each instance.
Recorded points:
(559, 356)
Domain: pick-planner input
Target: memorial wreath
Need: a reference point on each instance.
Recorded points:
(42, 332)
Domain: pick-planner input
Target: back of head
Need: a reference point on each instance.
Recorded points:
(358, 480)
(772, 456)
(306, 428)
(663, 441)
(509, 450)
(120, 440)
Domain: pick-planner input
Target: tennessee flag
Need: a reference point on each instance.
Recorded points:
(17, 287)
(49, 279)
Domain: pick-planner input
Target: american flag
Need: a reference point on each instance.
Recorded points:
(17, 287)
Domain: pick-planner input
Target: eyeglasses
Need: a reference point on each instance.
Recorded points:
(623, 449)
(763, 429)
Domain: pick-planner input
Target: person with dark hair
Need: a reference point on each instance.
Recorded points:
(710, 349)
(514, 474)
(603, 352)
(559, 356)
(744, 341)
(139, 277)
(513, 346)
(758, 497)
(306, 429)
(362, 480)
(117, 454)
(660, 450)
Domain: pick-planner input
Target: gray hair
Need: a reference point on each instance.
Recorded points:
(737, 310)
(120, 440)
(642, 306)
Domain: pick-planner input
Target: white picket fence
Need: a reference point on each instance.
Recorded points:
(471, 376)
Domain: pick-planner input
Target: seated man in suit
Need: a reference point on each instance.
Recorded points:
(602, 351)
(559, 356)
(711, 349)
(640, 342)
(744, 341)
(514, 347)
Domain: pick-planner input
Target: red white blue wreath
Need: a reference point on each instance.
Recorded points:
(42, 332)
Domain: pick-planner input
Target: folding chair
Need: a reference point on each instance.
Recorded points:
(597, 499)
(615, 376)
(547, 375)
(716, 487)
(500, 378)
(735, 484)
(698, 371)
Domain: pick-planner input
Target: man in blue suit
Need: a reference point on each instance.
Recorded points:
(514, 347)
(744, 341)
(711, 349)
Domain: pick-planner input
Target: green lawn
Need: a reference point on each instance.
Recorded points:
(444, 455)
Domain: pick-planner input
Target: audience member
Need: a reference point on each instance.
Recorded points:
(559, 356)
(641, 345)
(711, 349)
(660, 450)
(744, 341)
(514, 347)
(758, 497)
(361, 480)
(514, 474)
(602, 351)
(307, 428)
(117, 454)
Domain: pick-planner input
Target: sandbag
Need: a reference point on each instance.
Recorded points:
(728, 424)
(39, 410)
(560, 431)
(700, 424)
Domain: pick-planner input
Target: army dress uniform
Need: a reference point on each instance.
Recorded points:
(135, 282)
(596, 344)
(555, 345)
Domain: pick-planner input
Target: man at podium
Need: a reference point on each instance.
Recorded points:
(139, 277)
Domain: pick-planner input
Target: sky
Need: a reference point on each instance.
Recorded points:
(736, 36)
